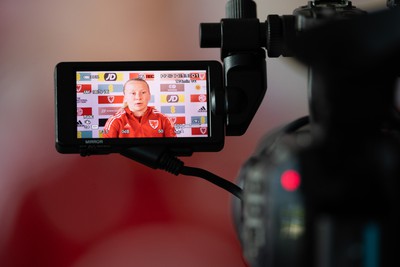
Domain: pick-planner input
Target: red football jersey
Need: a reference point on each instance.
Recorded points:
(152, 124)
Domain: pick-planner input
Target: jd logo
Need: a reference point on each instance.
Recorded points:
(172, 98)
(110, 76)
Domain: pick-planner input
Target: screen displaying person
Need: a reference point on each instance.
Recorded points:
(136, 118)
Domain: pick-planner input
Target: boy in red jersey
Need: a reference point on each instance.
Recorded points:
(135, 118)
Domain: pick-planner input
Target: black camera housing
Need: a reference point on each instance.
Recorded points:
(79, 120)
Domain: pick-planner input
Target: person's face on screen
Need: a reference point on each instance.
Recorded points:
(137, 96)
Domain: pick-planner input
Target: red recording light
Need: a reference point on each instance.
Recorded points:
(290, 180)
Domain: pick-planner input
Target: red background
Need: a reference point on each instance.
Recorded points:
(66, 210)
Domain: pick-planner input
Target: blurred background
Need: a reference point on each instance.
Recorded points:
(66, 210)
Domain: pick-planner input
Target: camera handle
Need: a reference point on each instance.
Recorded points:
(238, 36)
(157, 157)
(242, 39)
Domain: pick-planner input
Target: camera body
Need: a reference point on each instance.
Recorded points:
(301, 206)
(189, 93)
(324, 192)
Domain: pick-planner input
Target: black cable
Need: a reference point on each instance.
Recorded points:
(161, 158)
(225, 184)
(175, 166)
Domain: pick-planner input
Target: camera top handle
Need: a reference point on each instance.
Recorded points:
(240, 41)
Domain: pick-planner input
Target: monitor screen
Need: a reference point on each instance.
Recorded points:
(176, 98)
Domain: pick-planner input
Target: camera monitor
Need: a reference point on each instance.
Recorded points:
(105, 107)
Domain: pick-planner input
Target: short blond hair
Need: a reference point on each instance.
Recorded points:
(124, 104)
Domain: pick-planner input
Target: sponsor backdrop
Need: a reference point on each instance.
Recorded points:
(180, 95)
(101, 211)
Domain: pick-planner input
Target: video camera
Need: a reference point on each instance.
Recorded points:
(321, 191)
